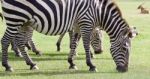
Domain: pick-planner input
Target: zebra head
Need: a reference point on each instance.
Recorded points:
(120, 50)
(96, 40)
(110, 19)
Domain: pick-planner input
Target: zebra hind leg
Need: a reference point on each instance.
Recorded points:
(21, 41)
(92, 55)
(59, 42)
(30, 44)
(15, 48)
(34, 49)
(5, 41)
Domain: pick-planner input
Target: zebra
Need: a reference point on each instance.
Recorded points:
(29, 44)
(56, 17)
(96, 40)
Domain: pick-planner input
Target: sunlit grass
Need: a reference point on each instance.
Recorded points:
(54, 65)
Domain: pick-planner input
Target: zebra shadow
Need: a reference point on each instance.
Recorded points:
(51, 56)
(45, 57)
(52, 72)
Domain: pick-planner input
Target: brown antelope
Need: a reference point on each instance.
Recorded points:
(143, 10)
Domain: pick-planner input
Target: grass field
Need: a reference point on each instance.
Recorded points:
(53, 65)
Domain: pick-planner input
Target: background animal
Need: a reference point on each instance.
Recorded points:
(143, 10)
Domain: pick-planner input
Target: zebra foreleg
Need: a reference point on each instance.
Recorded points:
(77, 39)
(59, 42)
(73, 45)
(5, 41)
(86, 35)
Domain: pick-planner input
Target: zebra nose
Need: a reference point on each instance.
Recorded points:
(122, 68)
(99, 51)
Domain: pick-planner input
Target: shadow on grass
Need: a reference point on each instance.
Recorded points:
(51, 73)
(48, 57)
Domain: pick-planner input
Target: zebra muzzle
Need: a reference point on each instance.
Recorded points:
(122, 68)
(99, 51)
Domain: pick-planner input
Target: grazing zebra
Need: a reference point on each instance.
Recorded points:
(55, 17)
(29, 44)
(96, 40)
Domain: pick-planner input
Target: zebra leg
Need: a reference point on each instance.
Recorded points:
(73, 45)
(15, 49)
(70, 37)
(21, 41)
(5, 41)
(92, 55)
(96, 40)
(34, 49)
(27, 58)
(28, 46)
(86, 35)
(59, 42)
(76, 38)
(100, 47)
(30, 42)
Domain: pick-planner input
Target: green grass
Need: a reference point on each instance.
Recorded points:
(53, 65)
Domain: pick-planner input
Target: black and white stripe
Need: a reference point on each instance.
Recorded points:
(29, 44)
(96, 40)
(55, 17)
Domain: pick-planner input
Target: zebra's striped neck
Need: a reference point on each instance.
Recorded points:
(109, 18)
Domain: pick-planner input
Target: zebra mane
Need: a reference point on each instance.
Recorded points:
(118, 9)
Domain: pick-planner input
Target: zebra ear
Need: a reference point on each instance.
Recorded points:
(132, 32)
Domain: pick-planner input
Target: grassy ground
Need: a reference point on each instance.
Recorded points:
(53, 65)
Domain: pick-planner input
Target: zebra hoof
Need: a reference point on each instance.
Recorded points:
(58, 50)
(35, 67)
(9, 69)
(39, 53)
(73, 67)
(93, 69)
(122, 69)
